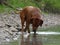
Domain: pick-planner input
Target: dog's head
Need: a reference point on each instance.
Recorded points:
(39, 22)
(36, 21)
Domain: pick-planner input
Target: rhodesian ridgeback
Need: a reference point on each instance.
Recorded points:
(31, 15)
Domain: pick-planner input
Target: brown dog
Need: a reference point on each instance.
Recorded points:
(31, 15)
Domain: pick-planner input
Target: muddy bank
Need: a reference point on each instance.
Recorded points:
(10, 25)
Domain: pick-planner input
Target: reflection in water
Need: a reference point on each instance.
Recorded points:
(31, 40)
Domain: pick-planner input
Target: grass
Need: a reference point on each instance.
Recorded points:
(16, 4)
(4, 8)
(23, 3)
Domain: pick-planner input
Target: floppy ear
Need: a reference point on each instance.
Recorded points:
(41, 22)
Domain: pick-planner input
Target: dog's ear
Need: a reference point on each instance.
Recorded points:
(41, 22)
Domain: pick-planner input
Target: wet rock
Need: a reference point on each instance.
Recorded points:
(9, 32)
(18, 25)
(8, 25)
(2, 24)
(13, 29)
(7, 38)
(18, 29)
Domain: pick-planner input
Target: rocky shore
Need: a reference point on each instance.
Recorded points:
(10, 25)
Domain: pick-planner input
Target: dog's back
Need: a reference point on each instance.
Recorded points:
(31, 12)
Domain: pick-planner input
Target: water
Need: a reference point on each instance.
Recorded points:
(51, 38)
(41, 38)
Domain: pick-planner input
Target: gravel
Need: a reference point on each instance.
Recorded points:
(10, 25)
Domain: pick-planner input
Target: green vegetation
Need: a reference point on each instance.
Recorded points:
(48, 5)
(52, 6)
(16, 4)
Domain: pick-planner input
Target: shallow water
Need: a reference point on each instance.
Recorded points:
(41, 38)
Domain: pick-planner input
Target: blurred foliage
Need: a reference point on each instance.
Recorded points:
(2, 1)
(44, 5)
(51, 6)
(48, 5)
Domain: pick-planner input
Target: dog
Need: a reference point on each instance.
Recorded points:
(31, 15)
